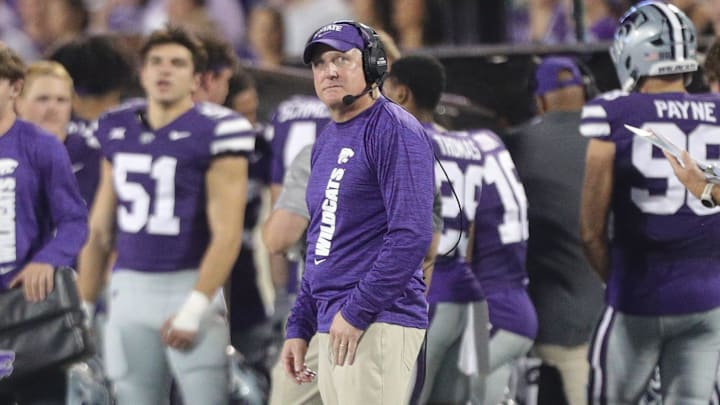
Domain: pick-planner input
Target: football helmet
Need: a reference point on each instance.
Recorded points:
(653, 39)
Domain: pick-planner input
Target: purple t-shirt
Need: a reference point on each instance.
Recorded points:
(452, 279)
(84, 151)
(370, 197)
(42, 215)
(664, 256)
(295, 123)
(500, 239)
(159, 180)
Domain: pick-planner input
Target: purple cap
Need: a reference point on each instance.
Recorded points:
(549, 74)
(339, 36)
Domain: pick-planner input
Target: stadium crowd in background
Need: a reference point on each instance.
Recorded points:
(180, 162)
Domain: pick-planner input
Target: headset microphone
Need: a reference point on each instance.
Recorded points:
(349, 99)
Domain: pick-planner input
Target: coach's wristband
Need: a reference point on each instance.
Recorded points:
(189, 315)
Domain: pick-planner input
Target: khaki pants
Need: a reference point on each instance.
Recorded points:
(285, 391)
(383, 371)
(573, 366)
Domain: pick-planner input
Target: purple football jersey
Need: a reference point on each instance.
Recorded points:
(501, 227)
(84, 151)
(159, 180)
(452, 279)
(295, 123)
(500, 239)
(664, 254)
(42, 215)
(370, 197)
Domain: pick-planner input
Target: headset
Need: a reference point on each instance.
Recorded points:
(373, 53)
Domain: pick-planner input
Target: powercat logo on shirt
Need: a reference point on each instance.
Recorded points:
(329, 208)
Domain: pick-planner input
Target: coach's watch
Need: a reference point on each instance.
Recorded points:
(706, 196)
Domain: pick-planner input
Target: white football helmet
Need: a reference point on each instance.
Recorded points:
(653, 39)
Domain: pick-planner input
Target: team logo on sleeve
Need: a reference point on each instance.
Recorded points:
(117, 133)
(345, 155)
(7, 166)
(7, 358)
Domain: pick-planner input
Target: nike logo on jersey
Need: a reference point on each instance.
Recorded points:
(177, 135)
(6, 269)
(318, 261)
(345, 155)
(7, 166)
(76, 167)
(117, 133)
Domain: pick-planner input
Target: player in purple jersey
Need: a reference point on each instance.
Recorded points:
(42, 218)
(661, 261)
(455, 295)
(46, 101)
(171, 200)
(496, 252)
(295, 123)
(249, 333)
(370, 197)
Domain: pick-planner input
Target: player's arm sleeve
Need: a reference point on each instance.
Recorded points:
(234, 136)
(302, 322)
(594, 121)
(404, 167)
(68, 211)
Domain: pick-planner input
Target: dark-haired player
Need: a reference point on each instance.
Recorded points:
(171, 200)
(455, 295)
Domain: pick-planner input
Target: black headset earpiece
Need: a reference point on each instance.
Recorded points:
(373, 54)
(591, 88)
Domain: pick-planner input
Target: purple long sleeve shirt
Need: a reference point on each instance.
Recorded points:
(370, 197)
(43, 218)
